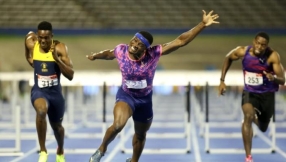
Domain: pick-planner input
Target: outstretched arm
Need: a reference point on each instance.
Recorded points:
(104, 55)
(30, 40)
(60, 54)
(188, 36)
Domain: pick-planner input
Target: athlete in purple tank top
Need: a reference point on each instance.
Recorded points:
(137, 62)
(263, 73)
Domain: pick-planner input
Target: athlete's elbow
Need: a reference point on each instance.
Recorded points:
(283, 82)
(71, 76)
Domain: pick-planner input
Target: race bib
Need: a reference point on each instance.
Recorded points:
(253, 79)
(140, 84)
(47, 81)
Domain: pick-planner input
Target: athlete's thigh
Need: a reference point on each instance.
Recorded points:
(124, 106)
(39, 100)
(57, 107)
(249, 102)
(143, 109)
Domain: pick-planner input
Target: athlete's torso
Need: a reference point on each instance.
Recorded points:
(46, 71)
(137, 75)
(254, 79)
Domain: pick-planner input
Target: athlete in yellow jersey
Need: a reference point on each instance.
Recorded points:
(49, 59)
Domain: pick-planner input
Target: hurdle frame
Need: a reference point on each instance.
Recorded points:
(207, 135)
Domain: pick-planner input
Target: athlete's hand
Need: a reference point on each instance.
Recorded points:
(269, 76)
(221, 88)
(54, 52)
(209, 19)
(90, 57)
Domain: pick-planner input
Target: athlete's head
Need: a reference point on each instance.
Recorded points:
(45, 34)
(140, 42)
(260, 43)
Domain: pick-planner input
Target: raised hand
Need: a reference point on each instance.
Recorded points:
(54, 51)
(209, 19)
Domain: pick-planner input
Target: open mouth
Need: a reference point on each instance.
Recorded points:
(133, 49)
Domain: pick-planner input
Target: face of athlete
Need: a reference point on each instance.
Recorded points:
(45, 39)
(259, 45)
(136, 47)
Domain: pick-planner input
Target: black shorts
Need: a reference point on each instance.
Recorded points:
(263, 104)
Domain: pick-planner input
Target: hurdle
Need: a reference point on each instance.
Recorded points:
(279, 118)
(73, 135)
(16, 150)
(185, 135)
(209, 135)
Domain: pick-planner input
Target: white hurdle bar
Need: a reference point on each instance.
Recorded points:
(16, 150)
(185, 135)
(73, 135)
(208, 149)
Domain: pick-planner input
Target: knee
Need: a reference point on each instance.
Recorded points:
(263, 129)
(118, 126)
(140, 136)
(248, 117)
(41, 111)
(263, 126)
(57, 127)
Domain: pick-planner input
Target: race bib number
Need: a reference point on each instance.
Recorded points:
(47, 81)
(140, 84)
(253, 79)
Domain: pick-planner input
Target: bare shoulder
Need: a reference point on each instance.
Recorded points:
(239, 51)
(61, 48)
(274, 55)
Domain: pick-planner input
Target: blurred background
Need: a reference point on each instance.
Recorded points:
(93, 25)
(87, 26)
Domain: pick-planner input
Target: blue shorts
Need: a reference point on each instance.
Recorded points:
(142, 107)
(55, 101)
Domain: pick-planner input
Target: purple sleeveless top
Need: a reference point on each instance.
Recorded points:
(137, 75)
(254, 79)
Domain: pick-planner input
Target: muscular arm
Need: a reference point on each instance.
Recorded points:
(233, 55)
(30, 40)
(183, 39)
(278, 68)
(104, 55)
(64, 62)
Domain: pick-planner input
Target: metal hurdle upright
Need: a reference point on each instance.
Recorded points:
(74, 135)
(186, 134)
(16, 124)
(208, 135)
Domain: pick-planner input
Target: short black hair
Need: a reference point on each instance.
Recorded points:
(44, 25)
(147, 36)
(263, 35)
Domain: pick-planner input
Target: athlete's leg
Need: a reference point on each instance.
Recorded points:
(59, 133)
(56, 114)
(122, 112)
(139, 139)
(41, 107)
(247, 132)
